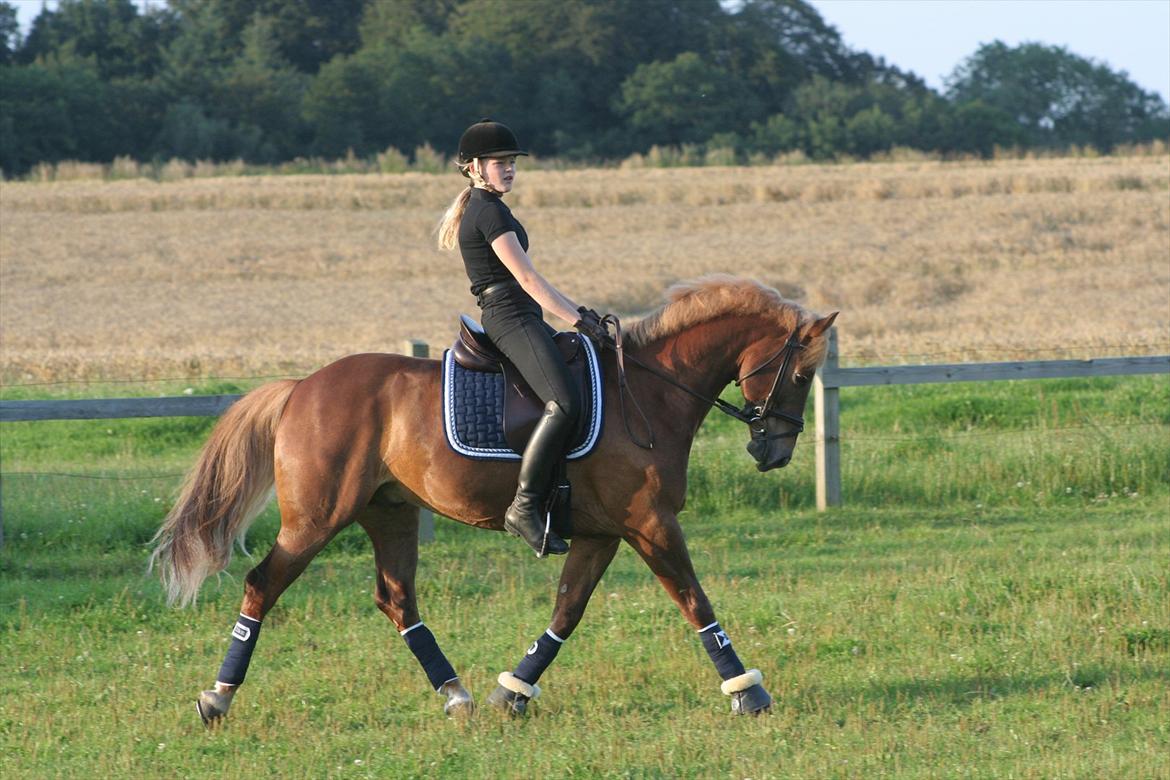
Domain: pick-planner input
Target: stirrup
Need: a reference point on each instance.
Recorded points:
(543, 552)
(559, 547)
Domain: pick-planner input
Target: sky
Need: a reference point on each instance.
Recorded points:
(931, 37)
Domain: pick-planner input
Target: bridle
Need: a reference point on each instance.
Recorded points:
(761, 412)
(754, 416)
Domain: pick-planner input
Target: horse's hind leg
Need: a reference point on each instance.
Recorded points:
(299, 540)
(393, 530)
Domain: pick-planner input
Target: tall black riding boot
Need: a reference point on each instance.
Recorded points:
(526, 516)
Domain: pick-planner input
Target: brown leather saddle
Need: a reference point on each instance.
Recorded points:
(474, 351)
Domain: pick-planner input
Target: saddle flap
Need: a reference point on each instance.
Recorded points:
(569, 344)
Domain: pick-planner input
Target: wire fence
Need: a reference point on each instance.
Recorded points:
(827, 434)
(847, 359)
(861, 356)
(723, 444)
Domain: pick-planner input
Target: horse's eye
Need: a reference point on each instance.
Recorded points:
(801, 380)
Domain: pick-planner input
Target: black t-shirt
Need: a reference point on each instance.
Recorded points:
(485, 220)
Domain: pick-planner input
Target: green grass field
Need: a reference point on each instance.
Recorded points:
(992, 601)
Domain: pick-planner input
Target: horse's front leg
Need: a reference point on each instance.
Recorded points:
(661, 544)
(587, 561)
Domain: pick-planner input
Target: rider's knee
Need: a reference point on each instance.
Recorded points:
(568, 404)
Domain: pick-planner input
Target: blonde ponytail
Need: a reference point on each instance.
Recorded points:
(448, 227)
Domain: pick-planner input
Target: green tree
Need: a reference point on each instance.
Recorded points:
(825, 118)
(424, 90)
(568, 60)
(391, 22)
(778, 133)
(1059, 98)
(111, 33)
(52, 113)
(978, 128)
(800, 42)
(188, 132)
(870, 130)
(9, 33)
(195, 61)
(685, 100)
(262, 90)
(308, 33)
(232, 92)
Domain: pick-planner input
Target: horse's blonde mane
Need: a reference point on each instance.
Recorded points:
(690, 303)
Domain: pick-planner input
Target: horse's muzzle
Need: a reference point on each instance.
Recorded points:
(779, 463)
(758, 449)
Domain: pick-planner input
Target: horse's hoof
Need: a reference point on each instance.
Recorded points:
(513, 694)
(751, 701)
(462, 709)
(459, 703)
(513, 704)
(212, 707)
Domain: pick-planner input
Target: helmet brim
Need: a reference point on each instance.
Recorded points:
(488, 155)
(506, 153)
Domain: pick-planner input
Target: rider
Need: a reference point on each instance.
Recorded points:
(510, 292)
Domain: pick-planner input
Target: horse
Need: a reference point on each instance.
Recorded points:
(361, 441)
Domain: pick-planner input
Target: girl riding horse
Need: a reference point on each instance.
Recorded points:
(510, 292)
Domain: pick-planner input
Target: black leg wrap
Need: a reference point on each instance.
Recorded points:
(718, 646)
(539, 656)
(422, 643)
(239, 655)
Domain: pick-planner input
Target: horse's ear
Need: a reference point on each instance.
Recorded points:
(820, 326)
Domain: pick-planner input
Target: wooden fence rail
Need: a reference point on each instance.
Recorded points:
(826, 401)
(831, 377)
(173, 406)
(117, 408)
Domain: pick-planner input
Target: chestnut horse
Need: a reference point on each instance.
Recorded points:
(361, 440)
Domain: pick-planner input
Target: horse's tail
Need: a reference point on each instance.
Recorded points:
(222, 494)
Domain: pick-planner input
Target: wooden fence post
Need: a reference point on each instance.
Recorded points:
(426, 518)
(827, 410)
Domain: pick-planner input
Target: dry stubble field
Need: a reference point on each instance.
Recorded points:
(990, 603)
(929, 262)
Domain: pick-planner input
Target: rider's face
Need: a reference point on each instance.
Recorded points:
(498, 172)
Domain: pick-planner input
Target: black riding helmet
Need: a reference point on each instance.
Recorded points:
(488, 139)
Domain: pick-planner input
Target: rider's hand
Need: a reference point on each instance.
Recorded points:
(590, 325)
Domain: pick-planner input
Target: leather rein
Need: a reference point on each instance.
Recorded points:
(753, 415)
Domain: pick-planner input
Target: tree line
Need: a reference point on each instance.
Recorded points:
(268, 81)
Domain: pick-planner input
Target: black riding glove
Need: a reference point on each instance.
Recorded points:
(590, 325)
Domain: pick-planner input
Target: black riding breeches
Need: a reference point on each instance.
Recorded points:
(514, 324)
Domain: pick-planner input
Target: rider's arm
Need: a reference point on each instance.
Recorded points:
(515, 259)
